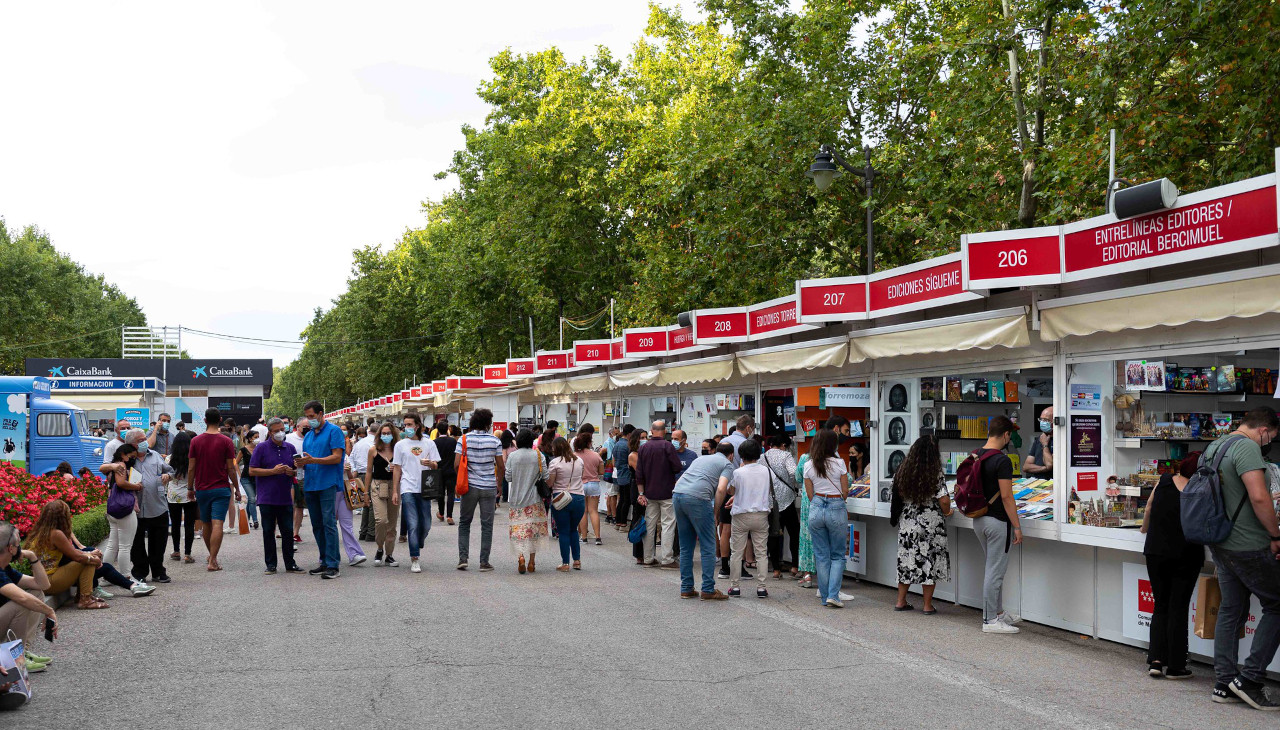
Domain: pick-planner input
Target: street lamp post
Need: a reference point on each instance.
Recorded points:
(826, 168)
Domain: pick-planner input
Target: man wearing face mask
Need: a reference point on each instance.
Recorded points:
(272, 467)
(323, 450)
(294, 438)
(109, 450)
(147, 553)
(1039, 461)
(160, 440)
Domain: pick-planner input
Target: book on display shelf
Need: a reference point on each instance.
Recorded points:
(1010, 391)
(932, 389)
(954, 390)
(995, 391)
(969, 390)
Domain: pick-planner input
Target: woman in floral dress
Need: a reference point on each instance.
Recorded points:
(920, 502)
(528, 527)
(807, 563)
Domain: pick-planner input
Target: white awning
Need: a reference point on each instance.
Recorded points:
(98, 401)
(697, 371)
(826, 353)
(1168, 304)
(633, 377)
(549, 387)
(980, 331)
(589, 384)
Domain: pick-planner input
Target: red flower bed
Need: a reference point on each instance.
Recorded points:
(22, 495)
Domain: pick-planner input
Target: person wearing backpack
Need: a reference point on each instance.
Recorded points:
(1245, 559)
(995, 517)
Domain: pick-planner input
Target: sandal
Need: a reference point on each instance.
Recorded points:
(520, 566)
(175, 556)
(449, 521)
(532, 567)
(188, 559)
(563, 568)
(92, 604)
(577, 565)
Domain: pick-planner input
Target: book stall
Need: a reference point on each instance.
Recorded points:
(1118, 345)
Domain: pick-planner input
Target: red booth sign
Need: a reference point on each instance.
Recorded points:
(1025, 257)
(439, 386)
(775, 317)
(524, 367)
(714, 326)
(474, 383)
(415, 392)
(496, 373)
(451, 382)
(1215, 222)
(645, 341)
(832, 300)
(931, 283)
(556, 361)
(593, 352)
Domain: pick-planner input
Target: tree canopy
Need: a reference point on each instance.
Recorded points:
(53, 307)
(673, 178)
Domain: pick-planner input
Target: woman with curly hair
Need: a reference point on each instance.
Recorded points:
(920, 502)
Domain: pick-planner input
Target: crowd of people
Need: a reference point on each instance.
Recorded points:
(738, 499)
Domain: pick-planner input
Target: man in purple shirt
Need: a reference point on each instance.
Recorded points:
(272, 468)
(657, 466)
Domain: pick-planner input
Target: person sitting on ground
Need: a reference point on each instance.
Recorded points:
(68, 562)
(22, 603)
(64, 469)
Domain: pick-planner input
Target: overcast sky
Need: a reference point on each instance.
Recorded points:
(220, 161)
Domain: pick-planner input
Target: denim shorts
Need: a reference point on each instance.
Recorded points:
(213, 503)
(591, 489)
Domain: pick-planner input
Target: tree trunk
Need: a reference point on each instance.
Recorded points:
(1027, 200)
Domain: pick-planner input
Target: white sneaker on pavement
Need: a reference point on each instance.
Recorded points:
(998, 627)
(415, 567)
(1009, 619)
(357, 560)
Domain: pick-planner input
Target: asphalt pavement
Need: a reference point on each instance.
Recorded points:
(610, 646)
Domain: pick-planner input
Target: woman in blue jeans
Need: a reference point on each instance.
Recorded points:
(566, 476)
(826, 482)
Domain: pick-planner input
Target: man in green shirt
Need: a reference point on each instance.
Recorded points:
(1247, 562)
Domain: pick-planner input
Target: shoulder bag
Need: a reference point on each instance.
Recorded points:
(562, 500)
(775, 517)
(463, 482)
(544, 489)
(119, 501)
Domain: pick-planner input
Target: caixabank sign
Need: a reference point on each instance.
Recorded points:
(185, 373)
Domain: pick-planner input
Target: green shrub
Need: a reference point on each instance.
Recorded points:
(91, 527)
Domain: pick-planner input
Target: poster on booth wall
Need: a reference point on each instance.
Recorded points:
(1086, 441)
(1086, 397)
(1138, 602)
(137, 417)
(856, 551)
(694, 419)
(13, 430)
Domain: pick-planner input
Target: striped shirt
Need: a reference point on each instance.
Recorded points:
(482, 451)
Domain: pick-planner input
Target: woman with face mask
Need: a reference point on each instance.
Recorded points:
(377, 480)
(1039, 462)
(124, 528)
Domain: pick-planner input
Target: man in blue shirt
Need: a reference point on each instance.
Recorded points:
(322, 453)
(693, 497)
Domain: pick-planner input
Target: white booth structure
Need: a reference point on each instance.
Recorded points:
(1149, 336)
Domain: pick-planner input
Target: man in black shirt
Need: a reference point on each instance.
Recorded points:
(999, 527)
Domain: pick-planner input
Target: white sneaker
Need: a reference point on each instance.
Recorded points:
(845, 596)
(1009, 619)
(142, 589)
(834, 603)
(998, 627)
(416, 567)
(357, 560)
